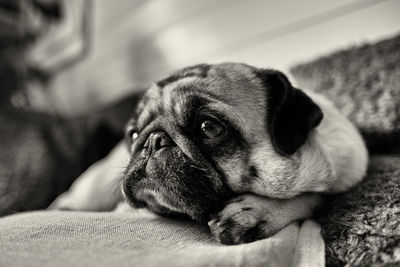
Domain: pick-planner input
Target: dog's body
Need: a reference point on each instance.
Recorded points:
(239, 147)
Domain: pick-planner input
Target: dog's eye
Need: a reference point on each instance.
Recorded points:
(211, 129)
(132, 133)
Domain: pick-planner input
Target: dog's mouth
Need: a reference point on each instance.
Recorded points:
(169, 183)
(155, 201)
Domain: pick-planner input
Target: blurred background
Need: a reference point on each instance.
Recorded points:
(69, 56)
(72, 71)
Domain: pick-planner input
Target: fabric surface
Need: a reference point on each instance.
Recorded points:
(364, 84)
(55, 238)
(362, 226)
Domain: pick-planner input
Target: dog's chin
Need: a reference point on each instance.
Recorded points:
(151, 199)
(168, 183)
(166, 202)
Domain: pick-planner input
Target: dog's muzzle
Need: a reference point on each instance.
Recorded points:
(163, 179)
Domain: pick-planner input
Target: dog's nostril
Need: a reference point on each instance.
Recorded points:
(157, 143)
(163, 142)
(157, 140)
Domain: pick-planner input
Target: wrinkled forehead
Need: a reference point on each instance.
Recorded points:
(230, 90)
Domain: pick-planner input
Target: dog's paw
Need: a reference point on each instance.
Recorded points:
(244, 219)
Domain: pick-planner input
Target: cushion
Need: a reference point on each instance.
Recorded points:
(362, 227)
(53, 238)
(364, 83)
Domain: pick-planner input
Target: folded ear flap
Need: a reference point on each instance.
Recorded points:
(291, 114)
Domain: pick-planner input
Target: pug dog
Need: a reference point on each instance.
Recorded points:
(237, 147)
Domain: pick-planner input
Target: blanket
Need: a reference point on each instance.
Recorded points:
(129, 236)
(60, 238)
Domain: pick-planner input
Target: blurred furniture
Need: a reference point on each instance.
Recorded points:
(21, 24)
(41, 150)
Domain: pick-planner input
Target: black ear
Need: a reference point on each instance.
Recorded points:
(291, 114)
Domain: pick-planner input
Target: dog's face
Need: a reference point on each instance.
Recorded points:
(211, 131)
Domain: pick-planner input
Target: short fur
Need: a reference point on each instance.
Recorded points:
(279, 144)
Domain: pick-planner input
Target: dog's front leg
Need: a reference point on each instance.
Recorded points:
(249, 217)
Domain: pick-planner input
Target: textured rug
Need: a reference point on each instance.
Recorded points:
(364, 83)
(362, 227)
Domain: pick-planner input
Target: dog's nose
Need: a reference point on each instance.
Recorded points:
(156, 141)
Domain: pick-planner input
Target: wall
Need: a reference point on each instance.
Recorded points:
(136, 42)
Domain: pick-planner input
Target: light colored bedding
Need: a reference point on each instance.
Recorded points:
(54, 238)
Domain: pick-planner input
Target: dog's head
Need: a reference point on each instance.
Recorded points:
(210, 131)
